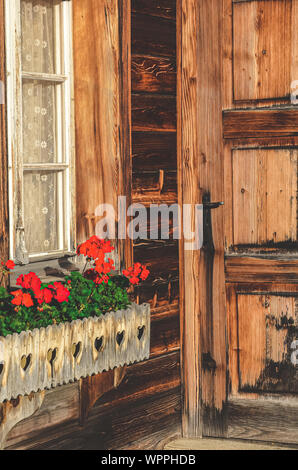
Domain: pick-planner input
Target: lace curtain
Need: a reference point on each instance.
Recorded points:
(39, 126)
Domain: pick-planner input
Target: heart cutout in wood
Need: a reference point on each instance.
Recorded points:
(76, 349)
(98, 344)
(26, 362)
(120, 337)
(141, 330)
(52, 354)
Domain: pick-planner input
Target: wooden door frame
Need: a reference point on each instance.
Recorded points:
(200, 175)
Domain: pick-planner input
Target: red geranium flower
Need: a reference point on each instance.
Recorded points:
(29, 281)
(10, 264)
(62, 293)
(100, 280)
(44, 296)
(136, 273)
(21, 298)
(95, 248)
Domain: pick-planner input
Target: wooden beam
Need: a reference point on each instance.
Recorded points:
(260, 123)
(4, 225)
(245, 269)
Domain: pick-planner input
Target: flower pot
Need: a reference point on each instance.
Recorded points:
(47, 357)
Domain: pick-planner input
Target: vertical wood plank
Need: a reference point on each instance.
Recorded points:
(188, 125)
(211, 283)
(125, 175)
(203, 324)
(4, 227)
(98, 105)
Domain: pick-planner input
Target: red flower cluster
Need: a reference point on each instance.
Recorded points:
(96, 249)
(9, 264)
(21, 298)
(32, 282)
(136, 273)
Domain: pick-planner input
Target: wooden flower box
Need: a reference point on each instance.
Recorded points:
(47, 357)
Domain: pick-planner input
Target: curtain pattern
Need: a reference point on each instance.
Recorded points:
(39, 126)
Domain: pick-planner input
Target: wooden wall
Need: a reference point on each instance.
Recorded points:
(4, 229)
(146, 407)
(154, 151)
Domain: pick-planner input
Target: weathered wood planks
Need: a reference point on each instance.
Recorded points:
(157, 74)
(154, 151)
(260, 270)
(256, 419)
(154, 144)
(153, 36)
(59, 354)
(4, 229)
(147, 402)
(160, 8)
(260, 123)
(204, 318)
(262, 33)
(98, 104)
(153, 113)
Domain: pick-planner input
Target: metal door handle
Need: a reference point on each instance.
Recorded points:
(212, 205)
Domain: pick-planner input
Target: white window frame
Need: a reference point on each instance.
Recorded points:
(64, 129)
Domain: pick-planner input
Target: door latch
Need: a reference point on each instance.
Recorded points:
(212, 205)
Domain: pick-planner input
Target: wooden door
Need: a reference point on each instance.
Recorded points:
(239, 63)
(261, 153)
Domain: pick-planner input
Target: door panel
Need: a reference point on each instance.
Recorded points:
(261, 249)
(262, 36)
(264, 186)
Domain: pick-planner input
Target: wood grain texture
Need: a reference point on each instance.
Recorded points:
(257, 314)
(260, 123)
(165, 331)
(204, 299)
(125, 172)
(12, 412)
(159, 186)
(261, 62)
(60, 406)
(267, 325)
(46, 357)
(256, 419)
(154, 75)
(147, 402)
(4, 223)
(152, 252)
(262, 49)
(264, 186)
(250, 269)
(97, 94)
(153, 36)
(154, 155)
(160, 8)
(187, 130)
(95, 386)
(154, 151)
(153, 113)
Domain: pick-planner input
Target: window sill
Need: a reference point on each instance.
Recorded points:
(48, 270)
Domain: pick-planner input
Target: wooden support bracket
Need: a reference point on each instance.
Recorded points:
(14, 411)
(94, 387)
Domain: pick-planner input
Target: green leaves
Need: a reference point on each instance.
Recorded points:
(86, 299)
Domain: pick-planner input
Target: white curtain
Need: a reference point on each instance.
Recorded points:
(39, 126)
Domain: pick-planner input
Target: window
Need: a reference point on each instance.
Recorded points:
(39, 87)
